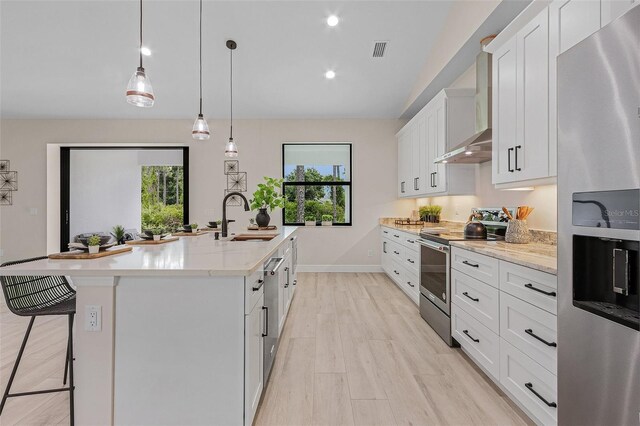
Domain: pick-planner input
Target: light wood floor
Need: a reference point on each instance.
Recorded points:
(354, 351)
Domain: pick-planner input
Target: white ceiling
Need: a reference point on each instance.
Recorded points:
(72, 59)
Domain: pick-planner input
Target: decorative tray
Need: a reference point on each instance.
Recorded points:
(78, 254)
(151, 242)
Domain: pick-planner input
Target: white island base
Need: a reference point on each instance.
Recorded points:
(179, 346)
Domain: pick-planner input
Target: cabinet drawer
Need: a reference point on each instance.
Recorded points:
(538, 288)
(409, 241)
(478, 266)
(412, 261)
(385, 232)
(255, 281)
(478, 299)
(531, 384)
(480, 342)
(406, 280)
(529, 329)
(396, 251)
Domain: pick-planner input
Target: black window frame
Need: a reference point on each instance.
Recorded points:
(65, 182)
(336, 183)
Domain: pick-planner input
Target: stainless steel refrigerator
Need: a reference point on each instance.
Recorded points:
(598, 227)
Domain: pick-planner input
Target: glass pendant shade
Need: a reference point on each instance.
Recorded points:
(231, 150)
(200, 129)
(139, 90)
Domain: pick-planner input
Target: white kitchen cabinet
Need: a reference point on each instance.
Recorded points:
(572, 21)
(612, 9)
(400, 260)
(253, 359)
(447, 120)
(521, 104)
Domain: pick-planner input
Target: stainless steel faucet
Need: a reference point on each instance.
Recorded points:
(224, 210)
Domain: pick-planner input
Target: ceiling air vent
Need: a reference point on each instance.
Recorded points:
(379, 47)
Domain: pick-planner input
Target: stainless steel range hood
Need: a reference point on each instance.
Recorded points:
(476, 149)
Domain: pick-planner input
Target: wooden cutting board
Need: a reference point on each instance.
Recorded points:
(262, 228)
(77, 254)
(188, 234)
(151, 242)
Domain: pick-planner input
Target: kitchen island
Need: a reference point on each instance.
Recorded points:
(180, 333)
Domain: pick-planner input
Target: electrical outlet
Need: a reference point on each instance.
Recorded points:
(93, 318)
(370, 253)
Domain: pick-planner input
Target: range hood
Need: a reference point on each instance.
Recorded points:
(477, 148)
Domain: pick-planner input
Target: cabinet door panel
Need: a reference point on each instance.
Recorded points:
(414, 183)
(575, 20)
(253, 376)
(612, 9)
(531, 153)
(504, 111)
(440, 146)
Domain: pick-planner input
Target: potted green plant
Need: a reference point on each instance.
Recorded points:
(157, 233)
(327, 220)
(310, 220)
(194, 227)
(93, 242)
(435, 212)
(425, 212)
(118, 233)
(267, 197)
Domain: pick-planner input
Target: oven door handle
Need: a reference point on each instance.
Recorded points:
(434, 246)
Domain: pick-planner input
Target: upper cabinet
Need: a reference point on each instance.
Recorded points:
(447, 120)
(611, 9)
(521, 104)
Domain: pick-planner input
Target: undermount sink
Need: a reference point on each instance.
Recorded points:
(254, 237)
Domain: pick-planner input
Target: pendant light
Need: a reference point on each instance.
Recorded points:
(200, 127)
(231, 150)
(139, 90)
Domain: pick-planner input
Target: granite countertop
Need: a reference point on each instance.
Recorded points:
(189, 256)
(542, 257)
(415, 229)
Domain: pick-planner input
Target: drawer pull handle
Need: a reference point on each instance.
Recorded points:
(473, 265)
(396, 252)
(410, 241)
(386, 232)
(260, 283)
(470, 337)
(410, 261)
(472, 298)
(410, 285)
(532, 334)
(548, 293)
(397, 236)
(396, 272)
(530, 387)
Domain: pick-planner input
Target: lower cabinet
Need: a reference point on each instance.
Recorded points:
(400, 260)
(253, 356)
(509, 330)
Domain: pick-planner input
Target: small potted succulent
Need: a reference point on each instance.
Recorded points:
(327, 220)
(119, 234)
(194, 227)
(157, 233)
(310, 220)
(435, 213)
(93, 242)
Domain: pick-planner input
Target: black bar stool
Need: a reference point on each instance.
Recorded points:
(32, 296)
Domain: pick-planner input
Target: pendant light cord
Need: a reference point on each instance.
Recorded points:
(140, 50)
(231, 84)
(200, 57)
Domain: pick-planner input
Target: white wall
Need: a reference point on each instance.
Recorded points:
(260, 143)
(104, 190)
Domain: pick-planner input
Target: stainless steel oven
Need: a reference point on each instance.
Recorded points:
(435, 289)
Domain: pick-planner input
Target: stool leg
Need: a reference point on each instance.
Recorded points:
(66, 365)
(15, 366)
(70, 361)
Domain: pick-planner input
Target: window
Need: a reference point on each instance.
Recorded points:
(317, 182)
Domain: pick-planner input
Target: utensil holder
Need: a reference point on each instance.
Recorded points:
(517, 232)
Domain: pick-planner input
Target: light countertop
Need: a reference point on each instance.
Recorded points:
(542, 257)
(415, 229)
(189, 256)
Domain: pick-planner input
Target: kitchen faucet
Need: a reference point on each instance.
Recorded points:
(224, 210)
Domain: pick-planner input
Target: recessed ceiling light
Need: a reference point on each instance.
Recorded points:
(330, 75)
(145, 51)
(332, 20)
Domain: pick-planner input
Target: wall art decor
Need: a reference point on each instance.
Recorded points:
(234, 200)
(237, 182)
(231, 166)
(8, 183)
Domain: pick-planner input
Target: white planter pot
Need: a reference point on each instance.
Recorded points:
(94, 249)
(309, 223)
(194, 230)
(326, 223)
(156, 238)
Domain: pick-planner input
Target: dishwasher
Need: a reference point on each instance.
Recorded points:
(271, 336)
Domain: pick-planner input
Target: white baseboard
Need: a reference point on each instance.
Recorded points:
(340, 268)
